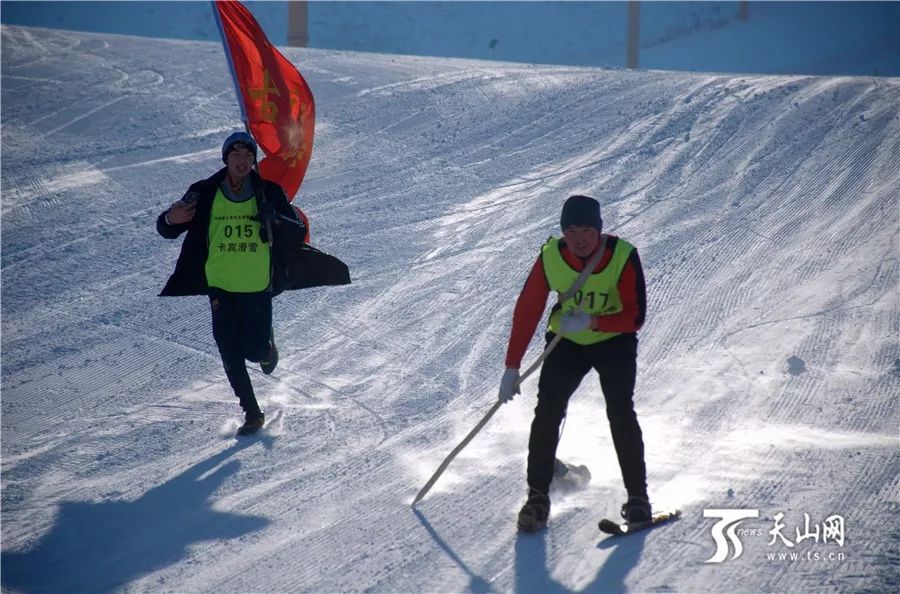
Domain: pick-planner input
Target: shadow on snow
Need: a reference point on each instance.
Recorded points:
(102, 546)
(533, 574)
(478, 585)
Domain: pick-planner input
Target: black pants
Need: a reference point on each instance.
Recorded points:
(242, 323)
(615, 361)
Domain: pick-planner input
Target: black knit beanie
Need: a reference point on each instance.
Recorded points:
(583, 211)
(237, 139)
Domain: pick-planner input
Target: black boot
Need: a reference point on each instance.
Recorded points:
(252, 423)
(533, 515)
(271, 361)
(637, 509)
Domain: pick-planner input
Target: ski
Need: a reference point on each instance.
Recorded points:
(623, 528)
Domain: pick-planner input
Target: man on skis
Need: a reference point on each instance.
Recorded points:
(599, 327)
(226, 255)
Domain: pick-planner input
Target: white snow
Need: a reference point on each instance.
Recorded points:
(765, 209)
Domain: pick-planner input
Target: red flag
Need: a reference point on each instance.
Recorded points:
(276, 102)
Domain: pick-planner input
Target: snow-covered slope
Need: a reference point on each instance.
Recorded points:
(766, 213)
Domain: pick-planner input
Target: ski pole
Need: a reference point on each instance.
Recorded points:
(483, 422)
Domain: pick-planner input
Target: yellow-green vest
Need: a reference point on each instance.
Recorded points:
(600, 291)
(238, 260)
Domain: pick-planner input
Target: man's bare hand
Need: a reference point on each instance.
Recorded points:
(182, 211)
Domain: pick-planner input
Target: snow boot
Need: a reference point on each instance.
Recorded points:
(533, 515)
(269, 364)
(637, 509)
(252, 423)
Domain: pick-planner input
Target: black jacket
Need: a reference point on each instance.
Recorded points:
(295, 265)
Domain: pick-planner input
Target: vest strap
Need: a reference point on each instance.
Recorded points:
(585, 273)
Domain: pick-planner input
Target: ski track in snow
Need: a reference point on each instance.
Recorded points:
(765, 210)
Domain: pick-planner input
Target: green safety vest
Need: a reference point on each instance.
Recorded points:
(238, 260)
(600, 291)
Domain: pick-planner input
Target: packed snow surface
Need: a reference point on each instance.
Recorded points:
(765, 209)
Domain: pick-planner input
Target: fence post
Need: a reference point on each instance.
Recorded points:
(634, 34)
(298, 23)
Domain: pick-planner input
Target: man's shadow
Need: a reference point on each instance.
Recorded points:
(97, 547)
(533, 575)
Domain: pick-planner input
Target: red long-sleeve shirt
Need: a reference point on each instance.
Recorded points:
(533, 299)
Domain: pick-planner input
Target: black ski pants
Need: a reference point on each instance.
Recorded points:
(242, 325)
(615, 361)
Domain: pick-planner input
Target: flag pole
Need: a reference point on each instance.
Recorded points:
(237, 89)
